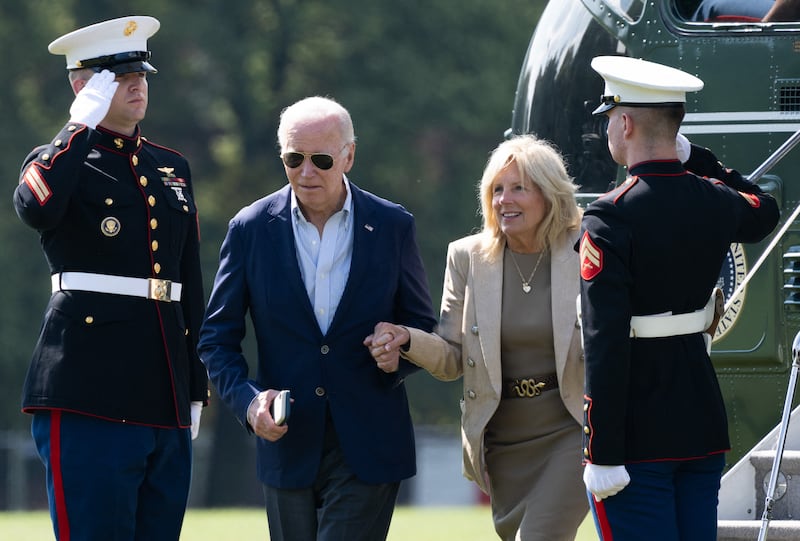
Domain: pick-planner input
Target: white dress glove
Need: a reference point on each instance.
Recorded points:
(91, 104)
(197, 411)
(684, 148)
(605, 481)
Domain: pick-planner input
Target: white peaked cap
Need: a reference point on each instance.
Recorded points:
(639, 83)
(119, 45)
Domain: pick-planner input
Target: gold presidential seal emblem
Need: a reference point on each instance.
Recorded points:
(110, 226)
(733, 271)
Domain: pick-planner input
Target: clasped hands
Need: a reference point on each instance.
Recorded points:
(384, 345)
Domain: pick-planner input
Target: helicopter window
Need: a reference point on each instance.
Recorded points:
(738, 11)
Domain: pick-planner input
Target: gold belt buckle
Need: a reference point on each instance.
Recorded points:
(160, 290)
(528, 387)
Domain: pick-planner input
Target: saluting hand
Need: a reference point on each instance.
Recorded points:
(93, 101)
(684, 148)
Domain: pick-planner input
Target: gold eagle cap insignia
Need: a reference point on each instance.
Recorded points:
(130, 28)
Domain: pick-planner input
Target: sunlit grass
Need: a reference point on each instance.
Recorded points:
(409, 524)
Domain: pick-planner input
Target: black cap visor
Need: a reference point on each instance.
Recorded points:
(609, 102)
(120, 63)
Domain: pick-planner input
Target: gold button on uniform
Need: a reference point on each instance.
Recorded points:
(72, 128)
(185, 208)
(157, 268)
(585, 429)
(58, 142)
(45, 157)
(109, 201)
(135, 160)
(151, 201)
(154, 245)
(153, 223)
(89, 320)
(143, 180)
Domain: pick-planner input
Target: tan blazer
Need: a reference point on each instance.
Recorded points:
(467, 340)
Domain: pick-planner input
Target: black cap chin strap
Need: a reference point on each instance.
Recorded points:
(617, 100)
(113, 59)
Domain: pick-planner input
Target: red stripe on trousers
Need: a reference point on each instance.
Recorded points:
(602, 520)
(58, 482)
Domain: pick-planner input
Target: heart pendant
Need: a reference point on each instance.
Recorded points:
(526, 288)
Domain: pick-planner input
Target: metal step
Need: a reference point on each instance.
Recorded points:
(743, 490)
(747, 530)
(786, 500)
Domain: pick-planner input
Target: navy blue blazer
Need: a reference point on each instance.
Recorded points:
(259, 274)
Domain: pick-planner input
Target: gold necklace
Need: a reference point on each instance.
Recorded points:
(526, 284)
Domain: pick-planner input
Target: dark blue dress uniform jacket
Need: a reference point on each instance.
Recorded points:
(654, 245)
(259, 274)
(109, 204)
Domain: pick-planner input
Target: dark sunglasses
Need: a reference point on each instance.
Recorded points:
(320, 160)
(295, 159)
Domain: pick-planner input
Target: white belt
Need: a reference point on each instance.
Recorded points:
(147, 288)
(657, 326)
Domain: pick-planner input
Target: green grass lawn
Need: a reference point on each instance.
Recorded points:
(409, 524)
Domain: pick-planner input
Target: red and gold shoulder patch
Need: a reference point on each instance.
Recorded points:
(35, 181)
(591, 258)
(754, 201)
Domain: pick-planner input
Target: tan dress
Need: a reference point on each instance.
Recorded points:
(532, 444)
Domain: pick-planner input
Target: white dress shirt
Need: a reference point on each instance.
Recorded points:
(324, 262)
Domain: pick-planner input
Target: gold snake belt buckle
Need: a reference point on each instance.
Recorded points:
(528, 387)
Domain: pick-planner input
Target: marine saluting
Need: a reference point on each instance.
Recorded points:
(655, 427)
(115, 385)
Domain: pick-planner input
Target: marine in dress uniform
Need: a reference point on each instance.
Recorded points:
(655, 429)
(115, 383)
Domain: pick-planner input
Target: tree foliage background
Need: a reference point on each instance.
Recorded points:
(429, 84)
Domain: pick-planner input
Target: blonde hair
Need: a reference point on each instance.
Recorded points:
(539, 164)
